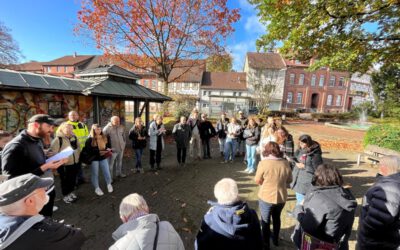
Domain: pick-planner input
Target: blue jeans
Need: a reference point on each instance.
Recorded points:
(267, 211)
(103, 165)
(251, 157)
(230, 148)
(139, 153)
(299, 198)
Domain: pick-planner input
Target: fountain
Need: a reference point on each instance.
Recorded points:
(362, 124)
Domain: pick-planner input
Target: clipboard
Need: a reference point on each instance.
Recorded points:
(61, 155)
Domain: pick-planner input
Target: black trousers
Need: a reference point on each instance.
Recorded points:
(155, 157)
(47, 210)
(181, 155)
(68, 176)
(206, 148)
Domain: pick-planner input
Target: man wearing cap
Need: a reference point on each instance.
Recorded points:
(24, 154)
(21, 225)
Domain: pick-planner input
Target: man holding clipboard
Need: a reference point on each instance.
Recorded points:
(24, 154)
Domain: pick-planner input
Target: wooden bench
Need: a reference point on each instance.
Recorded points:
(373, 153)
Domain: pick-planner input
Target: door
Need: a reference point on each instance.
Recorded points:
(314, 101)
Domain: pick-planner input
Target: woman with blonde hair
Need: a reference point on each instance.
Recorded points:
(98, 145)
(65, 137)
(252, 135)
(268, 134)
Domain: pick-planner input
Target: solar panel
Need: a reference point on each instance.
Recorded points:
(11, 79)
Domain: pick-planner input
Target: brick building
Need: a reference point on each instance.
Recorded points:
(323, 90)
(66, 66)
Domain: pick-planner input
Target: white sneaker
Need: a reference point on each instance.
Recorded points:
(110, 188)
(68, 199)
(73, 195)
(55, 208)
(99, 192)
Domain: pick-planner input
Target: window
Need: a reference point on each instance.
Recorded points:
(234, 93)
(205, 105)
(65, 68)
(146, 83)
(58, 68)
(240, 93)
(292, 76)
(204, 92)
(48, 69)
(301, 79)
(329, 100)
(321, 81)
(332, 81)
(289, 97)
(313, 79)
(153, 84)
(300, 97)
(339, 100)
(209, 92)
(341, 82)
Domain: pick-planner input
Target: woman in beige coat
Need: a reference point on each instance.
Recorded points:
(273, 175)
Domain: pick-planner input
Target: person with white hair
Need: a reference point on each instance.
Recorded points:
(21, 225)
(143, 230)
(379, 226)
(116, 132)
(229, 223)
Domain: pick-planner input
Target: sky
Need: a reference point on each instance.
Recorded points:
(43, 29)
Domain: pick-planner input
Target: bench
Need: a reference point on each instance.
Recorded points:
(372, 153)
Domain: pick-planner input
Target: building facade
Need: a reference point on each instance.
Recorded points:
(360, 89)
(322, 90)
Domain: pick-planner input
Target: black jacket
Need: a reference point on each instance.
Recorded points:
(206, 130)
(23, 154)
(182, 134)
(327, 214)
(379, 226)
(302, 177)
(44, 235)
(94, 150)
(229, 227)
(222, 128)
(134, 134)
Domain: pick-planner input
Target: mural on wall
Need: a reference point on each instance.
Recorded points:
(17, 107)
(109, 108)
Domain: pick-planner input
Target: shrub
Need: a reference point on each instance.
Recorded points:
(334, 116)
(386, 136)
(181, 110)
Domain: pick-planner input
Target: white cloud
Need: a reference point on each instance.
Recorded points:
(253, 25)
(239, 50)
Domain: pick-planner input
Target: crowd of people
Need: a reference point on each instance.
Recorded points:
(325, 207)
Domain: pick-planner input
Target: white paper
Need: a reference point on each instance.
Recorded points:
(63, 154)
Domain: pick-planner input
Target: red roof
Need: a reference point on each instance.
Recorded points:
(188, 71)
(69, 60)
(269, 60)
(224, 80)
(29, 66)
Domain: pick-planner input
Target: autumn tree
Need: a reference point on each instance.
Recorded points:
(219, 63)
(158, 36)
(348, 35)
(386, 86)
(9, 49)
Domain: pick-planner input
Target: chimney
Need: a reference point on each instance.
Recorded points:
(74, 54)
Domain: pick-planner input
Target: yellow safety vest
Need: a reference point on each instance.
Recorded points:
(81, 132)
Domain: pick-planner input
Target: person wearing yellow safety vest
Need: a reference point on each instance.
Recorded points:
(81, 132)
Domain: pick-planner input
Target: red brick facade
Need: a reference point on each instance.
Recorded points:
(306, 90)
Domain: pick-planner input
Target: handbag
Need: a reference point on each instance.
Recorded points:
(108, 154)
(85, 156)
(309, 242)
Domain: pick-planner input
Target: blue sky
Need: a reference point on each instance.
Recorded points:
(44, 29)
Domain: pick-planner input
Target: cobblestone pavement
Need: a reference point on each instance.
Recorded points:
(180, 195)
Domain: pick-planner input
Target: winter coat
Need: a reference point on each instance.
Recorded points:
(23, 154)
(252, 135)
(222, 128)
(61, 142)
(94, 150)
(153, 133)
(275, 176)
(207, 130)
(379, 225)
(134, 134)
(230, 227)
(302, 177)
(182, 134)
(287, 148)
(233, 128)
(327, 214)
(194, 125)
(46, 234)
(243, 124)
(117, 136)
(139, 234)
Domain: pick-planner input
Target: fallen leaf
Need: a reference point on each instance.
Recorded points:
(186, 229)
(183, 205)
(154, 193)
(185, 220)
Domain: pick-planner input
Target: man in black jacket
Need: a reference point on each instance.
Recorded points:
(24, 154)
(379, 226)
(207, 131)
(21, 226)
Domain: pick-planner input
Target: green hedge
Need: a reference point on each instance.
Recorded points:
(333, 116)
(386, 136)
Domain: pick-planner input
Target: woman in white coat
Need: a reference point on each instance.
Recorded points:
(156, 133)
(141, 230)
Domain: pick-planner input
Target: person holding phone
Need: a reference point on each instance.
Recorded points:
(97, 144)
